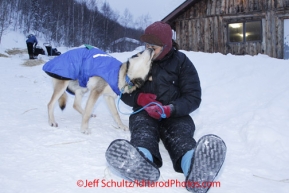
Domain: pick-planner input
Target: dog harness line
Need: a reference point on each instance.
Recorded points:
(163, 115)
(128, 82)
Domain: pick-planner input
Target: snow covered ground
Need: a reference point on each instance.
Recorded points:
(245, 102)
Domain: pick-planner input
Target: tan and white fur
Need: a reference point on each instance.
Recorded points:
(136, 68)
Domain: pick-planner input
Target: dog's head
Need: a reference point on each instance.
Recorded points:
(138, 68)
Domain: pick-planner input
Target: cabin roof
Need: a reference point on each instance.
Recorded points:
(178, 11)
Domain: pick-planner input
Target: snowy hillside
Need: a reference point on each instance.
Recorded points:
(244, 101)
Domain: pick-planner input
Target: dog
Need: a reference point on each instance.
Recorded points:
(107, 76)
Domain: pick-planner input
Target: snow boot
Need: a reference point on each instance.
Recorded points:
(186, 161)
(208, 158)
(130, 162)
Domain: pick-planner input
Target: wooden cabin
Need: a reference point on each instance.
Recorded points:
(232, 26)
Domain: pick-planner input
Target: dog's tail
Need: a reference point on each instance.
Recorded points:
(62, 101)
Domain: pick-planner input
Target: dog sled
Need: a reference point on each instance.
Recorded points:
(51, 51)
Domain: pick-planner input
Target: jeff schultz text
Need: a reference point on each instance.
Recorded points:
(143, 183)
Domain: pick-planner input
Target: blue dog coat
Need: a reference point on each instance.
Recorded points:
(82, 63)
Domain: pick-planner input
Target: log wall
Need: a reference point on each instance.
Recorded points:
(203, 26)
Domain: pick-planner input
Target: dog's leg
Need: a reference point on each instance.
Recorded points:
(77, 101)
(93, 96)
(79, 93)
(59, 88)
(110, 101)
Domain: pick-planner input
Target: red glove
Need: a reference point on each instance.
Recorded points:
(156, 112)
(145, 98)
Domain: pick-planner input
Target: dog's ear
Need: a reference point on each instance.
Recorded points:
(138, 82)
(136, 55)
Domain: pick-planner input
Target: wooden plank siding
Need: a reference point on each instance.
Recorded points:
(202, 26)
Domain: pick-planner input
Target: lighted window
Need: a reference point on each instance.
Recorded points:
(253, 31)
(236, 32)
(245, 31)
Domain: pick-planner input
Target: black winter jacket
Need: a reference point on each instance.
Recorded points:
(175, 81)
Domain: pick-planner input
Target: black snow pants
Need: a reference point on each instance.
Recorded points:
(176, 134)
(30, 48)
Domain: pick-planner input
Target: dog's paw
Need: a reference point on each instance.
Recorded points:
(123, 127)
(86, 131)
(53, 124)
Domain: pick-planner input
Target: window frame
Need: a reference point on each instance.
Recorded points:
(244, 31)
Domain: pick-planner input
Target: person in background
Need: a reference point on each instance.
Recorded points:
(31, 43)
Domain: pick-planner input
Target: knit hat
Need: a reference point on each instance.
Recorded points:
(159, 33)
